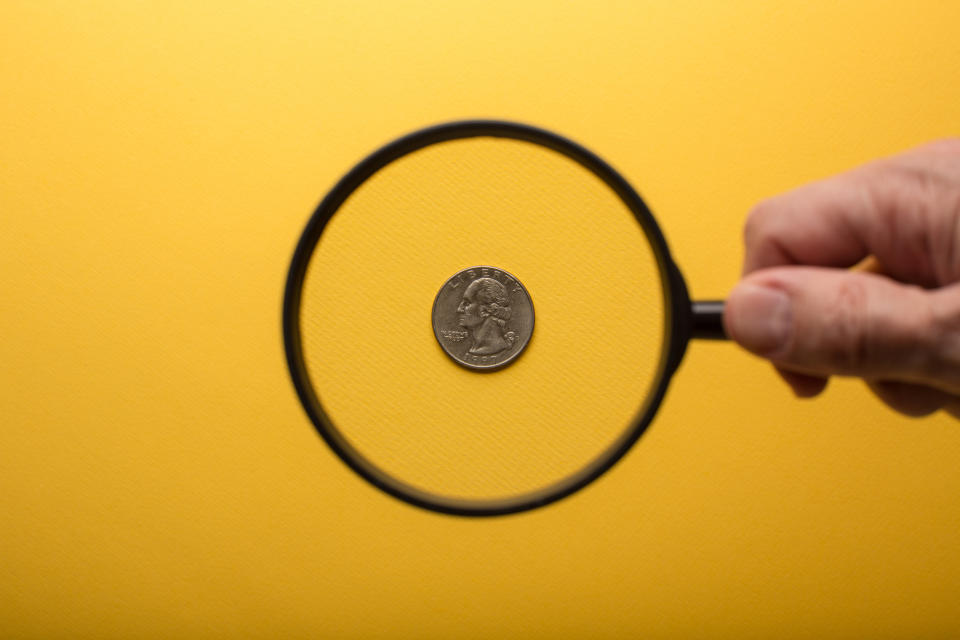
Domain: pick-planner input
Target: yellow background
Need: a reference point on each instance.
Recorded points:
(158, 477)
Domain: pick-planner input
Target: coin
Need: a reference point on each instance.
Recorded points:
(483, 318)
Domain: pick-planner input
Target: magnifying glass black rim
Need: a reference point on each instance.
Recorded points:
(675, 302)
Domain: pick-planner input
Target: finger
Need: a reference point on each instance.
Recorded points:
(803, 385)
(914, 400)
(807, 386)
(826, 321)
(953, 409)
(891, 209)
(816, 224)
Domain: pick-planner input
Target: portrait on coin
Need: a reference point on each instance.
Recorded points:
(484, 312)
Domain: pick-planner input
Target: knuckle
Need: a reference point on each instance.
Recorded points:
(924, 214)
(846, 333)
(759, 221)
(942, 360)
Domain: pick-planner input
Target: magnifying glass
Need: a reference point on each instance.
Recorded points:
(482, 317)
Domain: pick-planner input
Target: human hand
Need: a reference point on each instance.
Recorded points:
(894, 320)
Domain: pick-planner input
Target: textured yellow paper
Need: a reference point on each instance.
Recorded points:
(158, 477)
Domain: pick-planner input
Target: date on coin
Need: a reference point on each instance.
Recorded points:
(483, 318)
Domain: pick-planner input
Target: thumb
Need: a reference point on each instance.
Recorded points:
(822, 321)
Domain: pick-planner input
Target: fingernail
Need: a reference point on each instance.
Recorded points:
(759, 318)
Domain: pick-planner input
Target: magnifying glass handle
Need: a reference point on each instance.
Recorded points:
(708, 320)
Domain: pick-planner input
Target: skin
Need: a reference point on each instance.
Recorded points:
(893, 319)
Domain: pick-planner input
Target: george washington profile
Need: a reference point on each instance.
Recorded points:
(484, 312)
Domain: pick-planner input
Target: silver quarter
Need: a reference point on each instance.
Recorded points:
(483, 318)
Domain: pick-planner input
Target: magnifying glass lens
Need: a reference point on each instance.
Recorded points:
(383, 386)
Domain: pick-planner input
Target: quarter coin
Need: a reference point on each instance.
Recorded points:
(483, 318)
